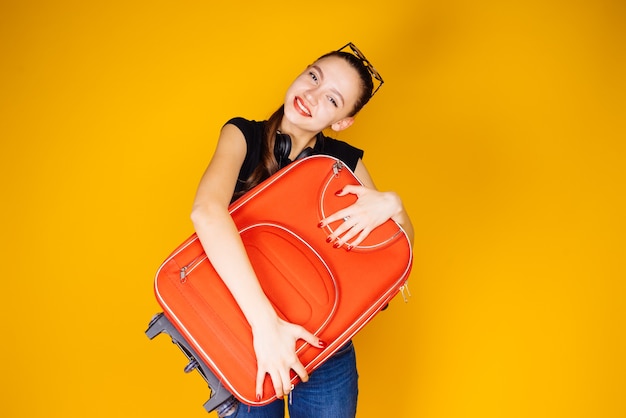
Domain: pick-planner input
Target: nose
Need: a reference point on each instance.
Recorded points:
(311, 96)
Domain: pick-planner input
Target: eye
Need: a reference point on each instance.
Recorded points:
(313, 76)
(333, 101)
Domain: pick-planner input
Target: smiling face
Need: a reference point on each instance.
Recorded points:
(324, 95)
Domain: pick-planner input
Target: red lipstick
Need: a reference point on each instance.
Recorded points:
(301, 108)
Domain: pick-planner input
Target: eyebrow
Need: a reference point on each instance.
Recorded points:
(319, 70)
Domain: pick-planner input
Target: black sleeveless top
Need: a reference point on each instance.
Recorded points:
(253, 133)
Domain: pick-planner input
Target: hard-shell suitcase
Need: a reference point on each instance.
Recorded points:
(331, 292)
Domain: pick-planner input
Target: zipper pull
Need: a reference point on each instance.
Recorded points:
(191, 266)
(405, 288)
(337, 167)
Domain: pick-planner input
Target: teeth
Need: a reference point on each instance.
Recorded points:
(301, 106)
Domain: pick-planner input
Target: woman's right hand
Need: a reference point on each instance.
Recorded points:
(275, 349)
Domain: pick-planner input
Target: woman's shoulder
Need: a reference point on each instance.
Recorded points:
(249, 127)
(346, 152)
(333, 143)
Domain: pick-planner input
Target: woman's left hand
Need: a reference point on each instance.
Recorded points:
(372, 208)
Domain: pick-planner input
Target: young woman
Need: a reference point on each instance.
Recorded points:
(329, 93)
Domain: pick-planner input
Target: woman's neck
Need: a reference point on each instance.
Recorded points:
(299, 139)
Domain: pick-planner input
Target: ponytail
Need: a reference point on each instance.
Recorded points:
(268, 164)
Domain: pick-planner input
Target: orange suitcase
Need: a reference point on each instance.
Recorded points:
(331, 292)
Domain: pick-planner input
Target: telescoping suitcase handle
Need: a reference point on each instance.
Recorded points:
(221, 399)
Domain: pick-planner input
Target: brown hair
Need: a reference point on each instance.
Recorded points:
(268, 164)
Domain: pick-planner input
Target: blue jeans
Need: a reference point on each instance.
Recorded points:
(331, 392)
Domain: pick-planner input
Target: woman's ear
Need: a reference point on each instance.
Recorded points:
(342, 124)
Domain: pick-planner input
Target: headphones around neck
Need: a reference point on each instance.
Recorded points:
(282, 149)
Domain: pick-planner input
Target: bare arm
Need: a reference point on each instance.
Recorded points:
(371, 209)
(274, 339)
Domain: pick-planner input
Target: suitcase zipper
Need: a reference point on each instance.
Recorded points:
(405, 288)
(186, 270)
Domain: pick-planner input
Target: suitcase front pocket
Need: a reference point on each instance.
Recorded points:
(293, 275)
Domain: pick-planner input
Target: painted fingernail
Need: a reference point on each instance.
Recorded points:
(322, 344)
(338, 192)
(258, 398)
(329, 239)
(321, 224)
(336, 245)
(349, 247)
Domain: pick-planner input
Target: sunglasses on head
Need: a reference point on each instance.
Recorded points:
(376, 77)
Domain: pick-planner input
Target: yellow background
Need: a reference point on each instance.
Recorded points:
(502, 125)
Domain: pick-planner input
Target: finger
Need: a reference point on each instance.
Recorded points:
(310, 338)
(260, 379)
(359, 239)
(345, 238)
(347, 223)
(336, 237)
(340, 215)
(278, 385)
(349, 189)
(301, 372)
(286, 382)
(344, 233)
